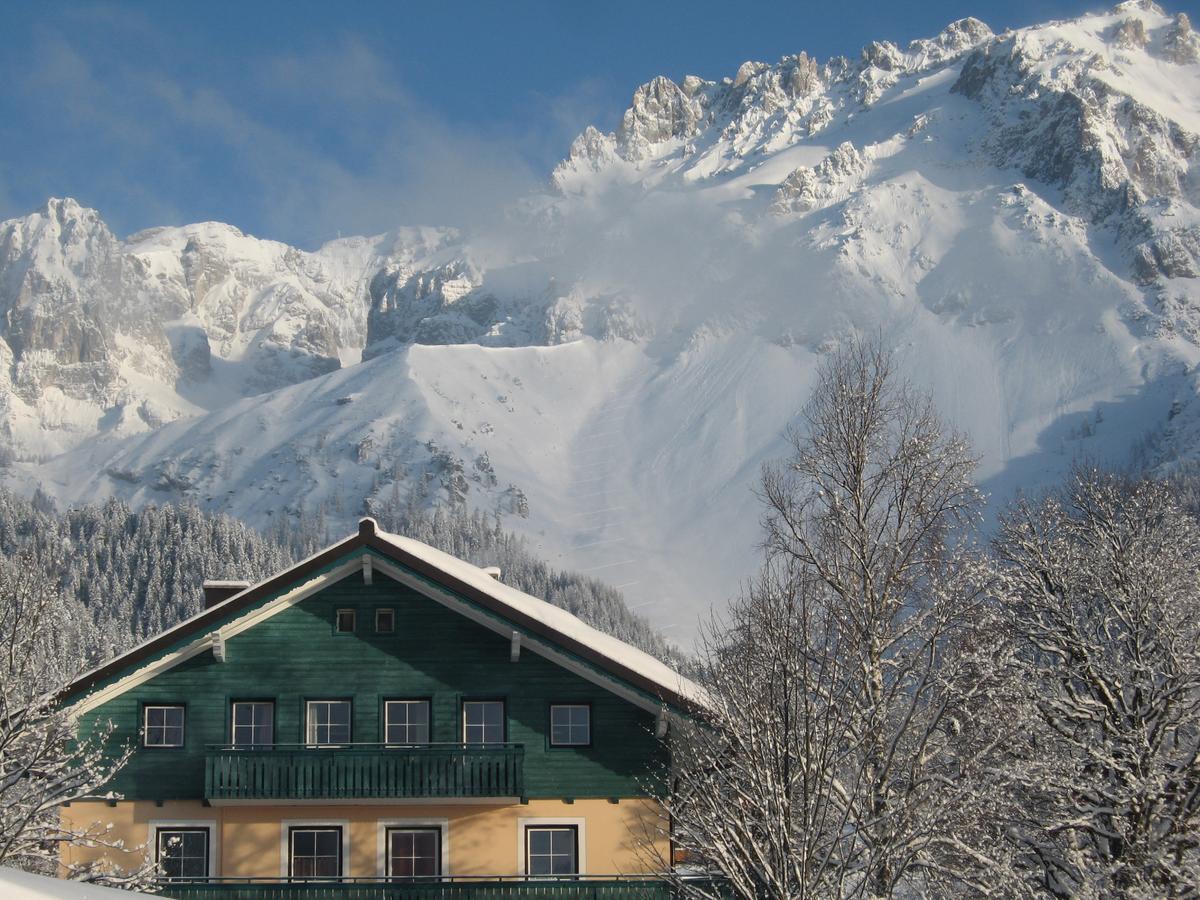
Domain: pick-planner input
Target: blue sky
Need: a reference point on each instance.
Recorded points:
(302, 120)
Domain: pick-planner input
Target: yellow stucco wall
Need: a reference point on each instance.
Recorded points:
(615, 838)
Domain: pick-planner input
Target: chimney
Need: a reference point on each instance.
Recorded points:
(494, 571)
(219, 591)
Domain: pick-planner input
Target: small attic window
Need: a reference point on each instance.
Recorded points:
(385, 621)
(344, 622)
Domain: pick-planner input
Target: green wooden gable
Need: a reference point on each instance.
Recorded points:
(435, 653)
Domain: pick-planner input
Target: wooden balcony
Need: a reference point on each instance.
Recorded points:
(365, 771)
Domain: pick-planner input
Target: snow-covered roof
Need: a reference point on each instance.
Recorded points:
(554, 617)
(539, 619)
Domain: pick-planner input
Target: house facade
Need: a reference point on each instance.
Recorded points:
(383, 713)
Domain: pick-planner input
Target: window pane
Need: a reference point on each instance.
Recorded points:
(329, 721)
(570, 725)
(483, 722)
(414, 853)
(407, 721)
(551, 851)
(183, 854)
(316, 852)
(253, 724)
(327, 843)
(163, 726)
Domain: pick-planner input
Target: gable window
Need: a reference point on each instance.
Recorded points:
(406, 721)
(183, 852)
(570, 725)
(414, 852)
(345, 621)
(385, 621)
(483, 721)
(328, 722)
(162, 726)
(315, 852)
(552, 850)
(253, 724)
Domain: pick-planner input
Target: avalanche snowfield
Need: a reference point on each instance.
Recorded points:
(1015, 215)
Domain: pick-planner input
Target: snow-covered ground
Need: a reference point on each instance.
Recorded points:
(16, 885)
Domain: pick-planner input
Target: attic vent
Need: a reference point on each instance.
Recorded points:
(219, 591)
(494, 571)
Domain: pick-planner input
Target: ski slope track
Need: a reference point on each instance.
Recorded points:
(1017, 214)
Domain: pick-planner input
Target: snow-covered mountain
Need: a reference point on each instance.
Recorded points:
(1016, 213)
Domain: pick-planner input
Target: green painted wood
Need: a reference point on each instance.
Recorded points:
(374, 772)
(434, 654)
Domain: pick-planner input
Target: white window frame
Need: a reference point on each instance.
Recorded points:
(578, 823)
(285, 849)
(382, 827)
(586, 706)
(146, 726)
(309, 738)
(391, 612)
(233, 726)
(154, 826)
(428, 721)
(503, 721)
(337, 620)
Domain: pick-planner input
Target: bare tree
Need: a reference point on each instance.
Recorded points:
(843, 756)
(1101, 591)
(754, 783)
(42, 765)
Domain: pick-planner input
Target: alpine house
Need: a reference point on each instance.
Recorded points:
(383, 713)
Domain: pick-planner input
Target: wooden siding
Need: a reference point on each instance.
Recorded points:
(433, 653)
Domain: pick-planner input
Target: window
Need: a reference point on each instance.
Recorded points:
(414, 852)
(253, 724)
(328, 722)
(163, 726)
(344, 621)
(483, 722)
(183, 852)
(406, 721)
(385, 621)
(552, 850)
(570, 725)
(315, 852)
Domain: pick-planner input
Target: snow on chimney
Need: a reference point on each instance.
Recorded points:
(494, 571)
(219, 591)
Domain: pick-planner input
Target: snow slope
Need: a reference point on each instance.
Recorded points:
(1017, 215)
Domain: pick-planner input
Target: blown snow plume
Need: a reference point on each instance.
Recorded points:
(1016, 213)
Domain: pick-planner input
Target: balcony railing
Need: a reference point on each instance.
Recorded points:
(365, 771)
(594, 887)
